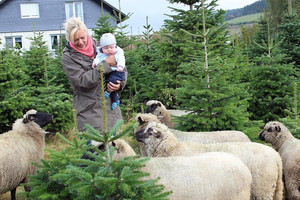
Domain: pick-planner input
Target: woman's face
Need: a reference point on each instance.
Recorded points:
(80, 39)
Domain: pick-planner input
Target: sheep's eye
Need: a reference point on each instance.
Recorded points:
(270, 130)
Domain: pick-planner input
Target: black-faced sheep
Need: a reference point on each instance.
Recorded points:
(211, 176)
(164, 116)
(158, 109)
(264, 162)
(19, 148)
(289, 149)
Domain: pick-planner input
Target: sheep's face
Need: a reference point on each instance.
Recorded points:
(151, 138)
(40, 118)
(270, 132)
(154, 108)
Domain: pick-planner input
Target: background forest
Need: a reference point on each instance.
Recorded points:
(228, 82)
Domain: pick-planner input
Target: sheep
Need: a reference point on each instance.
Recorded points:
(199, 137)
(20, 147)
(197, 177)
(158, 109)
(264, 162)
(289, 149)
(210, 137)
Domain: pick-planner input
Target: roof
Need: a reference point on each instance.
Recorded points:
(104, 3)
(112, 8)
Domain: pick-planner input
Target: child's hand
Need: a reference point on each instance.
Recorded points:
(119, 69)
(94, 65)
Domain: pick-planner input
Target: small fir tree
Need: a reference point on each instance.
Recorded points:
(66, 176)
(260, 37)
(34, 60)
(103, 25)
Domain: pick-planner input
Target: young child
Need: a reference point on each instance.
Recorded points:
(108, 46)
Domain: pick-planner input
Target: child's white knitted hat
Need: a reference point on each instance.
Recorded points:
(107, 39)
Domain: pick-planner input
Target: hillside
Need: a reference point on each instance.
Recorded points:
(257, 7)
(244, 19)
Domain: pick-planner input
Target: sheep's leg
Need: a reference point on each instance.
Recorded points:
(13, 194)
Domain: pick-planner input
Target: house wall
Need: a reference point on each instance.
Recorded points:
(51, 20)
(26, 42)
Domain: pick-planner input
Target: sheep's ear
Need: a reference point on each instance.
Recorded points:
(159, 104)
(25, 120)
(277, 128)
(28, 118)
(141, 121)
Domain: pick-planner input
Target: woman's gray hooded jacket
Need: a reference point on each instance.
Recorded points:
(85, 84)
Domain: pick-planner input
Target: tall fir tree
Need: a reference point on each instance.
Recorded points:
(173, 47)
(139, 61)
(217, 102)
(290, 33)
(46, 93)
(272, 82)
(14, 99)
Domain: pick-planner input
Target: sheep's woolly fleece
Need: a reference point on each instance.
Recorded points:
(289, 149)
(19, 148)
(197, 177)
(263, 161)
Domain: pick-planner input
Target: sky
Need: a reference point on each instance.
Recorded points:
(155, 10)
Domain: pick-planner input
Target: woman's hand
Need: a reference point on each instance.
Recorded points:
(111, 60)
(111, 87)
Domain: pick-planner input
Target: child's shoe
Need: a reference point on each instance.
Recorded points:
(106, 94)
(115, 104)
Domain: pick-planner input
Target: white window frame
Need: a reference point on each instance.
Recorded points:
(13, 38)
(29, 10)
(74, 13)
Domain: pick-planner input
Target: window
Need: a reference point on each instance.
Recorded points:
(54, 41)
(9, 41)
(74, 9)
(57, 40)
(30, 10)
(15, 41)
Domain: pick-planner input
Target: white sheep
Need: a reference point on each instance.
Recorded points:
(19, 148)
(211, 176)
(264, 162)
(289, 149)
(157, 108)
(164, 115)
(199, 137)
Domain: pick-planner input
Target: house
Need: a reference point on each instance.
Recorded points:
(20, 19)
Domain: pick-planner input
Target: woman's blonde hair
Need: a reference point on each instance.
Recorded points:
(73, 25)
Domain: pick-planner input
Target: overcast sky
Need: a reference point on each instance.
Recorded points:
(155, 10)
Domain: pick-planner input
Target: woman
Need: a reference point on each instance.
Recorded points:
(77, 63)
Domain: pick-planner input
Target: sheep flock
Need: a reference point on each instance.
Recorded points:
(275, 171)
(217, 165)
